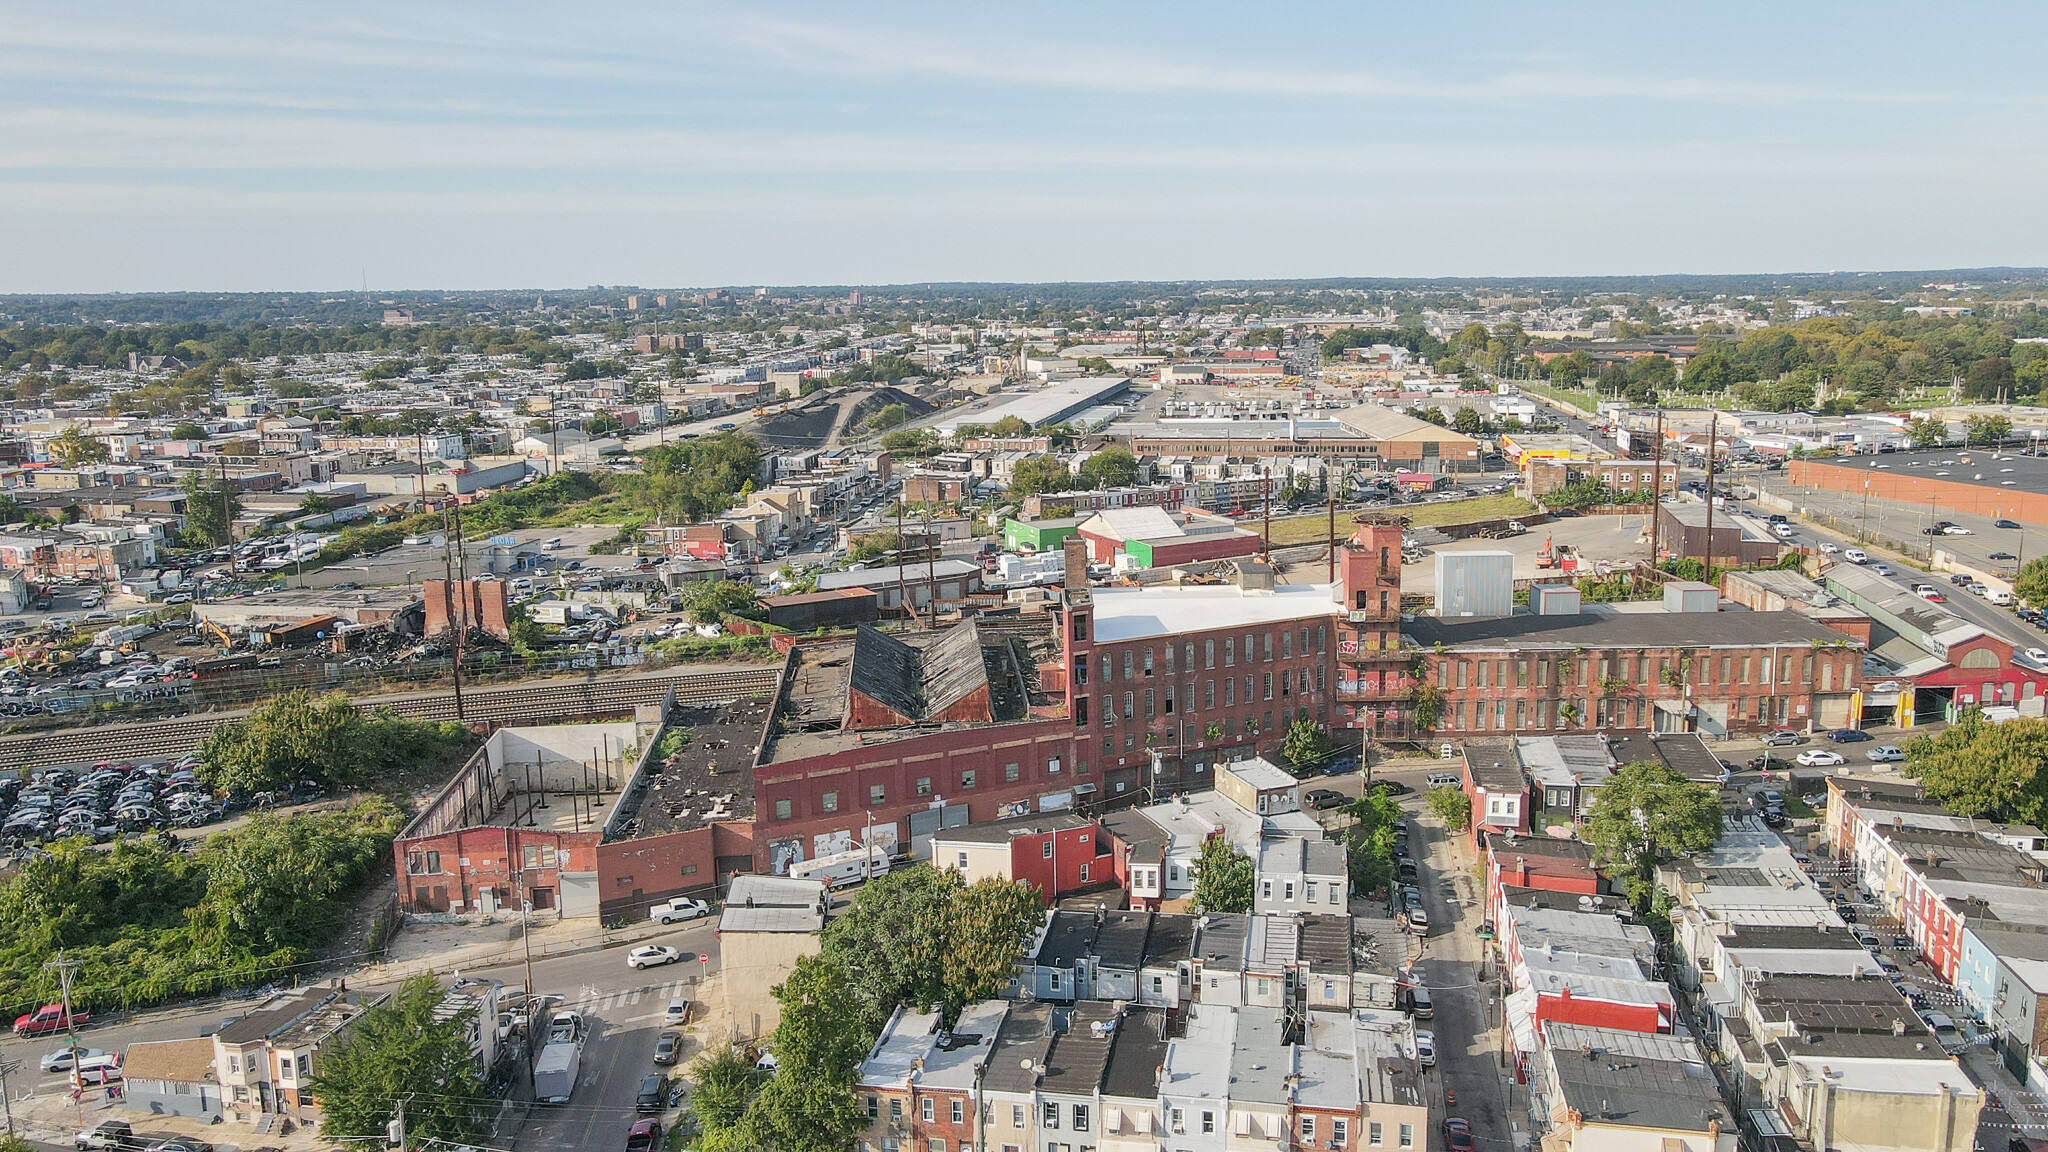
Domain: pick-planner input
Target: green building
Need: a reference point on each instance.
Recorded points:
(1038, 535)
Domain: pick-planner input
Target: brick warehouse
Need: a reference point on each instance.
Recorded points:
(478, 605)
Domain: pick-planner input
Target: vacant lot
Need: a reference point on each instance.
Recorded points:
(1310, 529)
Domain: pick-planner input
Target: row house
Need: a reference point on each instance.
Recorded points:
(1537, 862)
(918, 1085)
(1934, 878)
(1056, 852)
(1287, 961)
(1620, 1091)
(251, 1070)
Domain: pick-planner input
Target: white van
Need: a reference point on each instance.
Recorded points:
(97, 1069)
(551, 545)
(1856, 556)
(1999, 596)
(849, 867)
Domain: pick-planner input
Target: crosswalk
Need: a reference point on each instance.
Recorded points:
(603, 1004)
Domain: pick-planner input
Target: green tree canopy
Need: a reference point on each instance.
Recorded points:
(890, 416)
(327, 740)
(710, 601)
(1010, 426)
(210, 509)
(923, 936)
(1308, 745)
(1223, 877)
(1111, 467)
(1977, 768)
(1925, 431)
(1039, 474)
(398, 1051)
(1451, 806)
(1369, 843)
(1644, 813)
(187, 430)
(75, 446)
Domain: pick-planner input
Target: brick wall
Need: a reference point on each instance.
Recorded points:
(476, 604)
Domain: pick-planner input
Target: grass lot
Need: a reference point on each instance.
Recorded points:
(1315, 528)
(1584, 400)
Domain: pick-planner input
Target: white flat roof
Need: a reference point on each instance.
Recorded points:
(1135, 613)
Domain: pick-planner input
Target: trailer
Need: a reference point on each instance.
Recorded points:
(554, 1075)
(849, 867)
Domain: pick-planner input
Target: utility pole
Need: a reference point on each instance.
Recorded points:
(1657, 489)
(227, 515)
(64, 969)
(1713, 428)
(448, 609)
(1333, 535)
(6, 1099)
(1266, 487)
(931, 567)
(902, 598)
(419, 442)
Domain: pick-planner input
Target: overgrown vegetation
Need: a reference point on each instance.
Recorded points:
(387, 1056)
(329, 741)
(147, 923)
(1223, 877)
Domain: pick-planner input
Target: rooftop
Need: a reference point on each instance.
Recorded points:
(1640, 1090)
(1261, 1061)
(1004, 831)
(1078, 1055)
(710, 778)
(1136, 613)
(1628, 626)
(295, 1019)
(2000, 472)
(1136, 1055)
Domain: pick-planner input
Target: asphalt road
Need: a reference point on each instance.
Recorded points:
(623, 1006)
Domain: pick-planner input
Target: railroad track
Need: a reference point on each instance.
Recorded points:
(513, 703)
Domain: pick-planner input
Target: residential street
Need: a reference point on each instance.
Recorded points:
(1469, 1078)
(623, 1006)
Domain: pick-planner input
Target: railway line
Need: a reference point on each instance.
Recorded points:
(536, 703)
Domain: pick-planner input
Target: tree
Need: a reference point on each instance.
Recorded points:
(1926, 431)
(1038, 474)
(1112, 467)
(397, 1051)
(1468, 421)
(1308, 744)
(1986, 430)
(210, 509)
(820, 1034)
(1644, 813)
(923, 936)
(187, 430)
(314, 504)
(1989, 379)
(723, 1085)
(711, 601)
(1010, 426)
(73, 447)
(890, 416)
(1977, 768)
(1223, 877)
(2031, 584)
(1370, 842)
(1451, 806)
(327, 740)
(987, 920)
(804, 1114)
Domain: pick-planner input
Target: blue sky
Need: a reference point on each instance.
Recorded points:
(300, 146)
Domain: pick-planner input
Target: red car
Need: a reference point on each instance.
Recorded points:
(1458, 1134)
(48, 1018)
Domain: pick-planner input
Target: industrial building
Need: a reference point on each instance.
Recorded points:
(1043, 407)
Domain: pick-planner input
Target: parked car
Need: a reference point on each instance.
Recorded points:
(680, 908)
(107, 1135)
(644, 1136)
(1819, 758)
(677, 1011)
(1425, 1047)
(652, 956)
(1783, 738)
(61, 1059)
(1848, 735)
(2003, 556)
(1885, 754)
(653, 1095)
(1458, 1134)
(668, 1048)
(1391, 787)
(49, 1018)
(2004, 523)
(1956, 530)
(1321, 798)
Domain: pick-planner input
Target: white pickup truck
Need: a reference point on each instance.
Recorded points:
(680, 908)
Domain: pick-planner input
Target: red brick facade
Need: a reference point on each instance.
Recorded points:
(476, 604)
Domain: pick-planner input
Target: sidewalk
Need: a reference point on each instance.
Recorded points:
(426, 947)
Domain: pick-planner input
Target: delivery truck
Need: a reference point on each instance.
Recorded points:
(554, 1076)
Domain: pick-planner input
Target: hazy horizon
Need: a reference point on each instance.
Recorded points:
(235, 149)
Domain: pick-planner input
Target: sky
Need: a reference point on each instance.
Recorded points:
(249, 147)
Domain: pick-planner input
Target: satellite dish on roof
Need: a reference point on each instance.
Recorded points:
(1587, 901)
